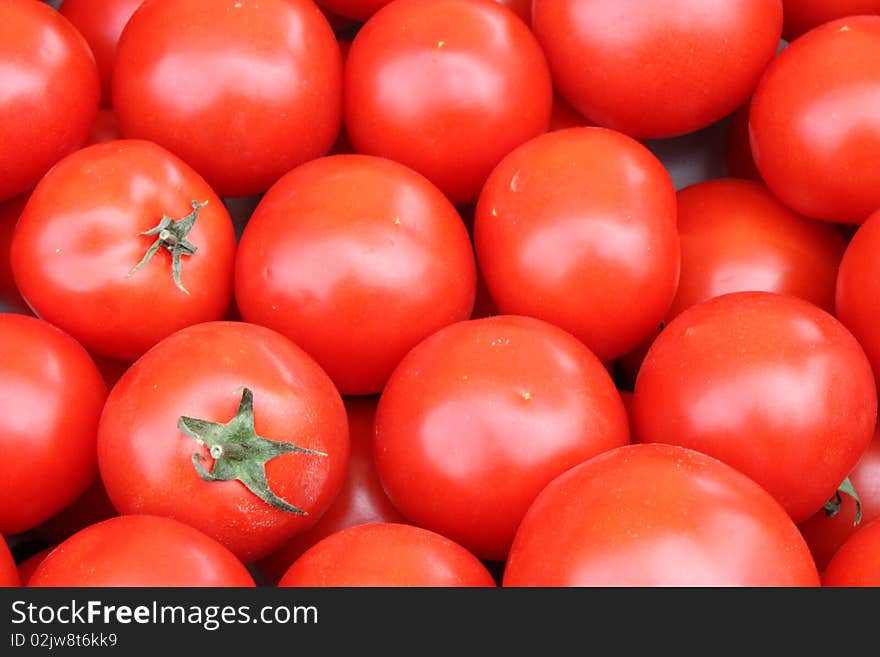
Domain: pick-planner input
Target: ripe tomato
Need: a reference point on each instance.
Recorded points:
(10, 211)
(387, 555)
(101, 23)
(825, 533)
(104, 128)
(814, 124)
(657, 69)
(275, 465)
(425, 86)
(803, 15)
(657, 515)
(74, 254)
(51, 395)
(479, 417)
(28, 567)
(248, 91)
(356, 259)
(577, 227)
(50, 92)
(361, 10)
(8, 572)
(857, 562)
(858, 289)
(362, 499)
(738, 160)
(140, 550)
(767, 383)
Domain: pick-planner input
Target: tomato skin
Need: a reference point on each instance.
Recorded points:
(361, 10)
(361, 501)
(425, 87)
(577, 227)
(565, 116)
(140, 550)
(254, 89)
(8, 572)
(50, 92)
(657, 515)
(858, 284)
(146, 461)
(73, 253)
(657, 69)
(386, 554)
(803, 15)
(28, 567)
(101, 23)
(357, 277)
(814, 115)
(51, 395)
(479, 417)
(825, 534)
(10, 211)
(767, 383)
(857, 562)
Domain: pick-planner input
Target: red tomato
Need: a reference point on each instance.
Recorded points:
(356, 259)
(28, 567)
(387, 555)
(10, 211)
(8, 573)
(361, 10)
(361, 500)
(857, 562)
(657, 515)
(50, 92)
(104, 128)
(858, 289)
(803, 15)
(522, 8)
(767, 383)
(51, 395)
(101, 23)
(479, 417)
(140, 550)
(814, 124)
(74, 253)
(577, 227)
(90, 508)
(249, 90)
(275, 465)
(425, 86)
(738, 160)
(825, 533)
(657, 69)
(565, 116)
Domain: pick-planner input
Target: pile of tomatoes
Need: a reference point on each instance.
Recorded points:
(399, 293)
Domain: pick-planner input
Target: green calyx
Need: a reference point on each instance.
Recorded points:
(239, 453)
(832, 506)
(172, 234)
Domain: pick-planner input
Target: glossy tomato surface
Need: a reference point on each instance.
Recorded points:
(140, 550)
(479, 417)
(814, 124)
(356, 259)
(857, 562)
(577, 227)
(767, 383)
(387, 555)
(147, 462)
(657, 69)
(249, 90)
(51, 395)
(50, 92)
(448, 88)
(657, 515)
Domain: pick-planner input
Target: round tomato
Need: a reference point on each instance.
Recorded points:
(85, 254)
(577, 227)
(425, 86)
(387, 555)
(858, 289)
(657, 515)
(8, 573)
(10, 211)
(140, 550)
(50, 92)
(356, 259)
(803, 15)
(101, 23)
(51, 396)
(247, 91)
(857, 562)
(104, 128)
(479, 417)
(814, 124)
(171, 442)
(28, 567)
(657, 69)
(767, 383)
(362, 499)
(825, 531)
